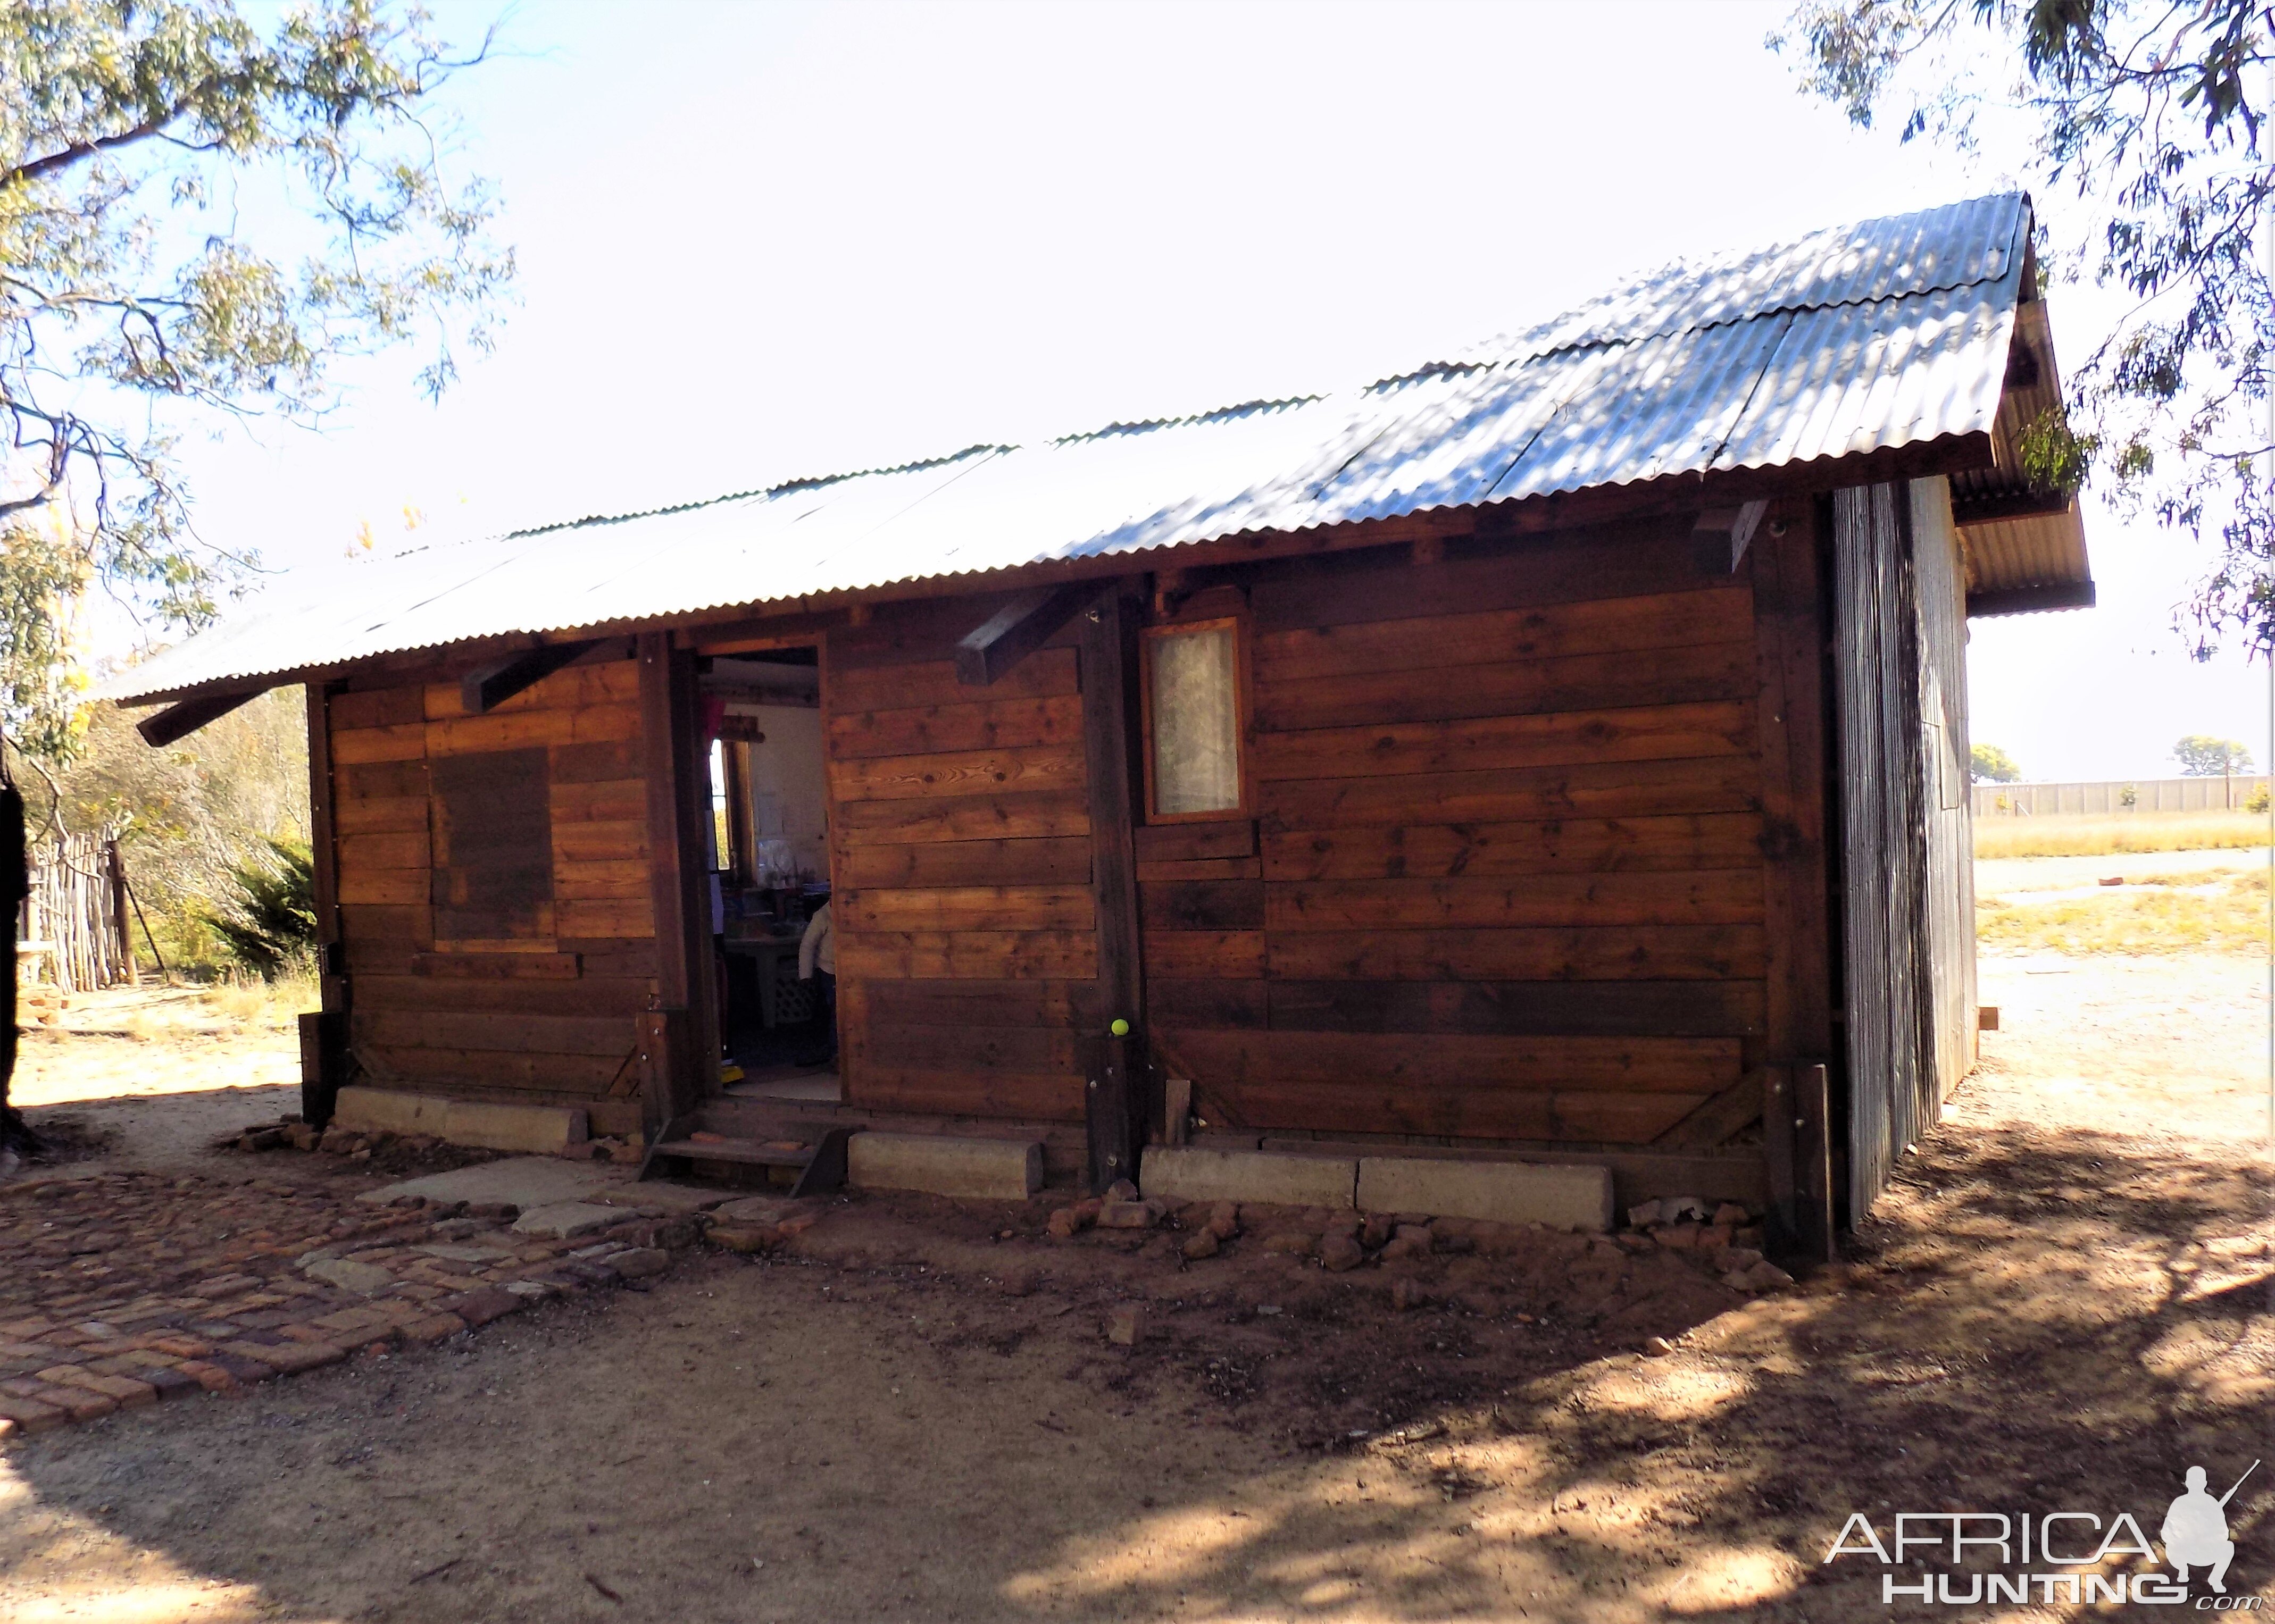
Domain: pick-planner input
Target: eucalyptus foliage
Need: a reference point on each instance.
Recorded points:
(2154, 114)
(198, 219)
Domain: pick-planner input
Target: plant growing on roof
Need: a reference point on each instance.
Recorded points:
(2147, 112)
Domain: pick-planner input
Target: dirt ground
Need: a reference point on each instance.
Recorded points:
(2068, 1298)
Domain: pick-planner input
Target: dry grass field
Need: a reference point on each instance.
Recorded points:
(2094, 836)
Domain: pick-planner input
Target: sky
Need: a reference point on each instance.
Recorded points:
(760, 242)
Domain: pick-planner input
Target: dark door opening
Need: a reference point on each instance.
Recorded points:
(769, 857)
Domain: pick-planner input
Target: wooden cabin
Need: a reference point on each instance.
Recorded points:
(1557, 754)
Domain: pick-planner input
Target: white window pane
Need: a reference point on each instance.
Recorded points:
(1196, 722)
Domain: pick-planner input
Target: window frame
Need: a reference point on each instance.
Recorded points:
(1244, 712)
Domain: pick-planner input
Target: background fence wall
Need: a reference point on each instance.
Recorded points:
(75, 914)
(2149, 794)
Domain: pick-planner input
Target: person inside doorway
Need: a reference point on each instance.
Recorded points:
(817, 962)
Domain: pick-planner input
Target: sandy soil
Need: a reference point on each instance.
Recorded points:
(2067, 1299)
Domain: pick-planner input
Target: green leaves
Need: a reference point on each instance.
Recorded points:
(2145, 112)
(269, 923)
(128, 310)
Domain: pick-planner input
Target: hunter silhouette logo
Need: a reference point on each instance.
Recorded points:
(2195, 1534)
(2196, 1531)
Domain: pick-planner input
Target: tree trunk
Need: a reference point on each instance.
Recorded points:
(15, 883)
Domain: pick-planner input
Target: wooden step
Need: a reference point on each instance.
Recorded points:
(821, 1158)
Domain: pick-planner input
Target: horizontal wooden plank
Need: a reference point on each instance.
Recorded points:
(354, 746)
(1235, 956)
(607, 880)
(1034, 1050)
(380, 781)
(1196, 841)
(959, 773)
(966, 862)
(1200, 868)
(615, 800)
(395, 815)
(510, 729)
(628, 956)
(923, 955)
(1638, 558)
(1209, 1006)
(1641, 733)
(1604, 626)
(453, 962)
(610, 915)
(1019, 1097)
(402, 849)
(1071, 1004)
(596, 762)
(1202, 905)
(995, 723)
(1481, 1114)
(388, 922)
(1518, 688)
(385, 886)
(1047, 673)
(1061, 812)
(966, 908)
(499, 1030)
(1552, 846)
(583, 840)
(369, 956)
(572, 688)
(1544, 1064)
(1618, 953)
(1508, 795)
(1576, 1009)
(1718, 897)
(378, 707)
(394, 1067)
(585, 995)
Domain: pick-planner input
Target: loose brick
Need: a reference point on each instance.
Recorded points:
(480, 1306)
(211, 1376)
(28, 1415)
(290, 1358)
(433, 1328)
(246, 1371)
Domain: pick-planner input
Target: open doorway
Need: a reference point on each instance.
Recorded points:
(770, 859)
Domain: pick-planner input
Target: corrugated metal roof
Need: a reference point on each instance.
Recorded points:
(1851, 340)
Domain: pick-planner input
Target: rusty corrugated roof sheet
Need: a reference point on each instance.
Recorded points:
(1850, 340)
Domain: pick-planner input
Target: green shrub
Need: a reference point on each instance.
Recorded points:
(269, 925)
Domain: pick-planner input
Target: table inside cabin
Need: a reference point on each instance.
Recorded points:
(767, 948)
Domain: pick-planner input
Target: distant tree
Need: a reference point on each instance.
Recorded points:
(1987, 764)
(144, 146)
(2155, 116)
(2203, 756)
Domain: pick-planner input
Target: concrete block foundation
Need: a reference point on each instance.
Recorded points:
(1505, 1192)
(1189, 1173)
(538, 1130)
(979, 1169)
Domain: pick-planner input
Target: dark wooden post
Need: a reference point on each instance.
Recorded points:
(681, 1072)
(1116, 1106)
(324, 1033)
(1791, 628)
(115, 871)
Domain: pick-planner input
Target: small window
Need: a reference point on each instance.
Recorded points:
(1194, 721)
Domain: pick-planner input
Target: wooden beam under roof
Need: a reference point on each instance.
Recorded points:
(179, 720)
(1016, 631)
(487, 687)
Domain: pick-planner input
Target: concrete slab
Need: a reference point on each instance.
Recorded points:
(1190, 1172)
(522, 1181)
(566, 1219)
(982, 1169)
(1507, 1192)
(539, 1130)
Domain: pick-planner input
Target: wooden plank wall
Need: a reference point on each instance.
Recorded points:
(966, 926)
(1507, 879)
(546, 1011)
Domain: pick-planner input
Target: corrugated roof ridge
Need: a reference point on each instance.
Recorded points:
(1220, 414)
(787, 488)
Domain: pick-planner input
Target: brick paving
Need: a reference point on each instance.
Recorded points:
(124, 1289)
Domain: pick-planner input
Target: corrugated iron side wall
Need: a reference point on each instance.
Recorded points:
(1940, 580)
(1882, 834)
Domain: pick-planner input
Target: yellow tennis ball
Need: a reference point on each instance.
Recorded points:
(1120, 1028)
